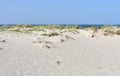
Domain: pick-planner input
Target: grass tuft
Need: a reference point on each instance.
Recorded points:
(51, 34)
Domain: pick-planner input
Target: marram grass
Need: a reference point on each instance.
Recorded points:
(71, 28)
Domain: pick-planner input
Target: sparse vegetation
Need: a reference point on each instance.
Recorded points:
(6, 27)
(23, 27)
(118, 32)
(109, 32)
(20, 26)
(51, 34)
(107, 28)
(72, 28)
(94, 29)
(27, 29)
(16, 30)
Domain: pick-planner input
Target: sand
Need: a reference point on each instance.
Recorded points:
(79, 55)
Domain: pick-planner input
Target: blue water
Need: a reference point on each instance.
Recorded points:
(79, 25)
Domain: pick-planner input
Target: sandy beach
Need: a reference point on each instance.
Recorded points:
(64, 54)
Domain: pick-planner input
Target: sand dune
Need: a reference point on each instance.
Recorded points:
(66, 54)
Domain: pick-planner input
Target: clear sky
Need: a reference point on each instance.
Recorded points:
(59, 11)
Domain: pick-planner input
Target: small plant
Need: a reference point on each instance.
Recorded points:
(45, 35)
(118, 32)
(51, 34)
(6, 27)
(16, 30)
(20, 26)
(74, 31)
(94, 29)
(109, 32)
(107, 28)
(53, 27)
(71, 27)
(28, 26)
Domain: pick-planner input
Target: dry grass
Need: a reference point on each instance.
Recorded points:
(107, 28)
(73, 29)
(38, 28)
(117, 32)
(51, 34)
(94, 29)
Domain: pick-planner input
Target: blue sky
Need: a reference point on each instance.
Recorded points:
(59, 12)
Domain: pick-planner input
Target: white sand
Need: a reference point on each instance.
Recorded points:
(80, 55)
